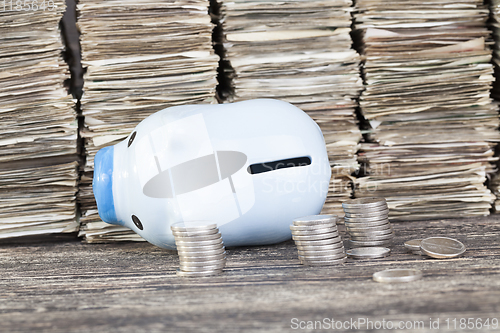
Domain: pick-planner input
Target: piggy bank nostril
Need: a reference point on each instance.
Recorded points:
(137, 222)
(132, 137)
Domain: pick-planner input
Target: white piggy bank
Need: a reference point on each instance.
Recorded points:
(250, 167)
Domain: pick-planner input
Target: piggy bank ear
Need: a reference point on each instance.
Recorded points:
(102, 184)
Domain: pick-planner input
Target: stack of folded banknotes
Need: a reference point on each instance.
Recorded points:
(140, 57)
(38, 131)
(299, 51)
(433, 124)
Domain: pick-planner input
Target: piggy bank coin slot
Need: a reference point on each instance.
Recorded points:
(281, 164)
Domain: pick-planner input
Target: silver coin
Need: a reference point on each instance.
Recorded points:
(363, 220)
(199, 274)
(442, 247)
(397, 275)
(368, 252)
(320, 242)
(315, 231)
(195, 233)
(371, 226)
(305, 228)
(200, 248)
(317, 223)
(320, 247)
(381, 214)
(316, 237)
(202, 257)
(199, 243)
(323, 257)
(201, 253)
(197, 238)
(191, 264)
(186, 268)
(354, 243)
(323, 262)
(370, 232)
(193, 226)
(315, 219)
(384, 226)
(413, 245)
(218, 262)
(364, 202)
(372, 237)
(372, 210)
(321, 252)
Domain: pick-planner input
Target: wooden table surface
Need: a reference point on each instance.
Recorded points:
(70, 286)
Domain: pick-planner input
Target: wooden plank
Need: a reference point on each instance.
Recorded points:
(126, 287)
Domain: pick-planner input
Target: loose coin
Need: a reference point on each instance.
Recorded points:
(368, 252)
(397, 275)
(442, 247)
(199, 274)
(413, 245)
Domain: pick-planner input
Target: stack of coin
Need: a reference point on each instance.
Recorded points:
(318, 241)
(200, 248)
(367, 222)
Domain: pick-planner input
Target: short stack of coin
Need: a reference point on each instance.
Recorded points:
(200, 248)
(318, 241)
(367, 222)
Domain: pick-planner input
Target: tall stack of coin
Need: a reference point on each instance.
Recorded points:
(200, 248)
(367, 222)
(318, 241)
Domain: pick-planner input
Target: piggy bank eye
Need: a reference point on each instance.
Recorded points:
(137, 222)
(132, 137)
